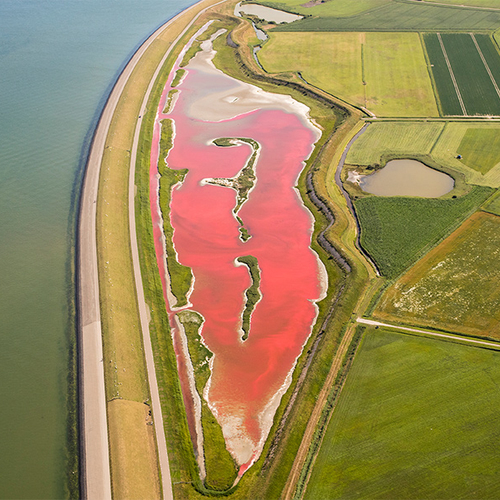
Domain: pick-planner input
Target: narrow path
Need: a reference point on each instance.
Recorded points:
(370, 322)
(452, 75)
(95, 467)
(493, 81)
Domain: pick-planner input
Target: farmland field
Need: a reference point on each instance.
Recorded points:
(399, 16)
(416, 419)
(396, 231)
(476, 86)
(395, 138)
(384, 72)
(480, 148)
(455, 287)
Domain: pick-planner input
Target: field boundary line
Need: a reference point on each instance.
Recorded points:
(371, 322)
(486, 65)
(452, 75)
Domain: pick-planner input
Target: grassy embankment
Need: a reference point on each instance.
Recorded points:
(269, 476)
(455, 286)
(383, 72)
(416, 419)
(132, 444)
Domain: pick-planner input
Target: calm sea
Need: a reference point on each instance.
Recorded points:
(58, 59)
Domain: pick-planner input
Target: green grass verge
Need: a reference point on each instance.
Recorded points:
(220, 467)
(456, 285)
(180, 276)
(397, 231)
(401, 16)
(416, 419)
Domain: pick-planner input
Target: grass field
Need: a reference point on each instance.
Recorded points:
(397, 231)
(417, 418)
(339, 8)
(493, 204)
(384, 72)
(455, 287)
(394, 138)
(399, 16)
(480, 148)
(474, 82)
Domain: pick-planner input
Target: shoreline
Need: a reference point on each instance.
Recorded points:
(95, 472)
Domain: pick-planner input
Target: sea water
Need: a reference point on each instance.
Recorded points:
(58, 59)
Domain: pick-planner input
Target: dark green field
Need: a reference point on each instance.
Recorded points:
(443, 83)
(474, 82)
(417, 418)
(396, 231)
(400, 16)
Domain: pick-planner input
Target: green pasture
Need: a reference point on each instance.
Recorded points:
(393, 138)
(471, 3)
(455, 287)
(338, 8)
(384, 72)
(481, 148)
(397, 231)
(416, 419)
(492, 205)
(396, 16)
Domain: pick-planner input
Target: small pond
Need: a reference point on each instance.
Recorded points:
(266, 13)
(407, 178)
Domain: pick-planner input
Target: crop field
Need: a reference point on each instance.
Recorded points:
(399, 16)
(473, 67)
(384, 72)
(417, 418)
(480, 148)
(493, 204)
(394, 138)
(339, 8)
(397, 231)
(455, 287)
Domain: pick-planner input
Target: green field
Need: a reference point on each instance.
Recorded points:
(480, 148)
(398, 16)
(395, 139)
(478, 92)
(416, 419)
(383, 72)
(455, 287)
(397, 231)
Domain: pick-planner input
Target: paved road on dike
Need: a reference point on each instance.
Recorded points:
(96, 476)
(370, 322)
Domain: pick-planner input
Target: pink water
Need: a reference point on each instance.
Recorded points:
(246, 375)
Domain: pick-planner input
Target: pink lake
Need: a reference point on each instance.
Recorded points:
(248, 377)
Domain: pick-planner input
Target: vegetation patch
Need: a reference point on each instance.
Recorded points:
(252, 294)
(180, 276)
(169, 101)
(416, 419)
(178, 77)
(383, 72)
(397, 231)
(455, 287)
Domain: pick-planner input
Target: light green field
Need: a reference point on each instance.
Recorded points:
(469, 140)
(416, 419)
(455, 286)
(392, 66)
(338, 8)
(472, 3)
(395, 138)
